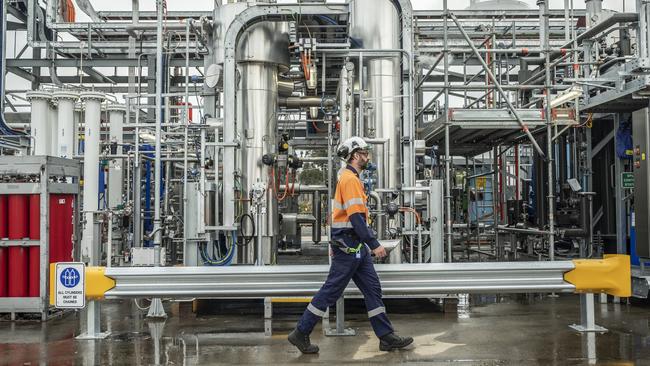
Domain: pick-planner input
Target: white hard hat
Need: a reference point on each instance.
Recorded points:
(351, 145)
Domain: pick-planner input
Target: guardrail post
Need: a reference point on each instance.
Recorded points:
(340, 330)
(91, 314)
(587, 316)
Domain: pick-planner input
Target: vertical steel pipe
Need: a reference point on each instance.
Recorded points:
(448, 223)
(159, 120)
(543, 13)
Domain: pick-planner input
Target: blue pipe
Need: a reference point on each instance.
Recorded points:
(148, 219)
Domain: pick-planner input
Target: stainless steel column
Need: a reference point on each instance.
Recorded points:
(261, 53)
(376, 25)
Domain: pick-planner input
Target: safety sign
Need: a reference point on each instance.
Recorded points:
(70, 285)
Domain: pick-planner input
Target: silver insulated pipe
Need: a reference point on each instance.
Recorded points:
(375, 24)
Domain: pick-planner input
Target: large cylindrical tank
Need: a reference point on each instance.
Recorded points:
(39, 127)
(116, 114)
(92, 123)
(262, 51)
(257, 92)
(375, 24)
(66, 128)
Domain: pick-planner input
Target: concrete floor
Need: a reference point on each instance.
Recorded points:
(487, 330)
(513, 330)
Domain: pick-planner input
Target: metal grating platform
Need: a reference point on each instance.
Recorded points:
(475, 131)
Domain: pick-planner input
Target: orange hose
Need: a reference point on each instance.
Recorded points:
(417, 215)
(305, 69)
(313, 123)
(286, 186)
(293, 184)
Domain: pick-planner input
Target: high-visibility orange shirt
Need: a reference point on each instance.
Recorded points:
(350, 210)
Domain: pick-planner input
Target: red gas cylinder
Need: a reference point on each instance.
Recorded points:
(34, 251)
(18, 272)
(3, 216)
(35, 216)
(34, 271)
(4, 254)
(18, 221)
(18, 228)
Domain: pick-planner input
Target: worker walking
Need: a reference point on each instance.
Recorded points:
(351, 246)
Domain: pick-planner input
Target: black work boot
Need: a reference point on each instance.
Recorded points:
(302, 342)
(392, 341)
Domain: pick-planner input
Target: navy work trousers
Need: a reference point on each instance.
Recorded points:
(346, 267)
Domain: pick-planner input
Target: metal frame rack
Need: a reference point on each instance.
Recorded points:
(51, 173)
(499, 99)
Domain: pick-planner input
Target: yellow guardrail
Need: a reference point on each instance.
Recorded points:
(97, 283)
(611, 275)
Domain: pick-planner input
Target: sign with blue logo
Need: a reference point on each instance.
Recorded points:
(70, 286)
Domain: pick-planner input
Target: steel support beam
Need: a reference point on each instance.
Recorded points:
(97, 76)
(22, 73)
(602, 143)
(103, 62)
